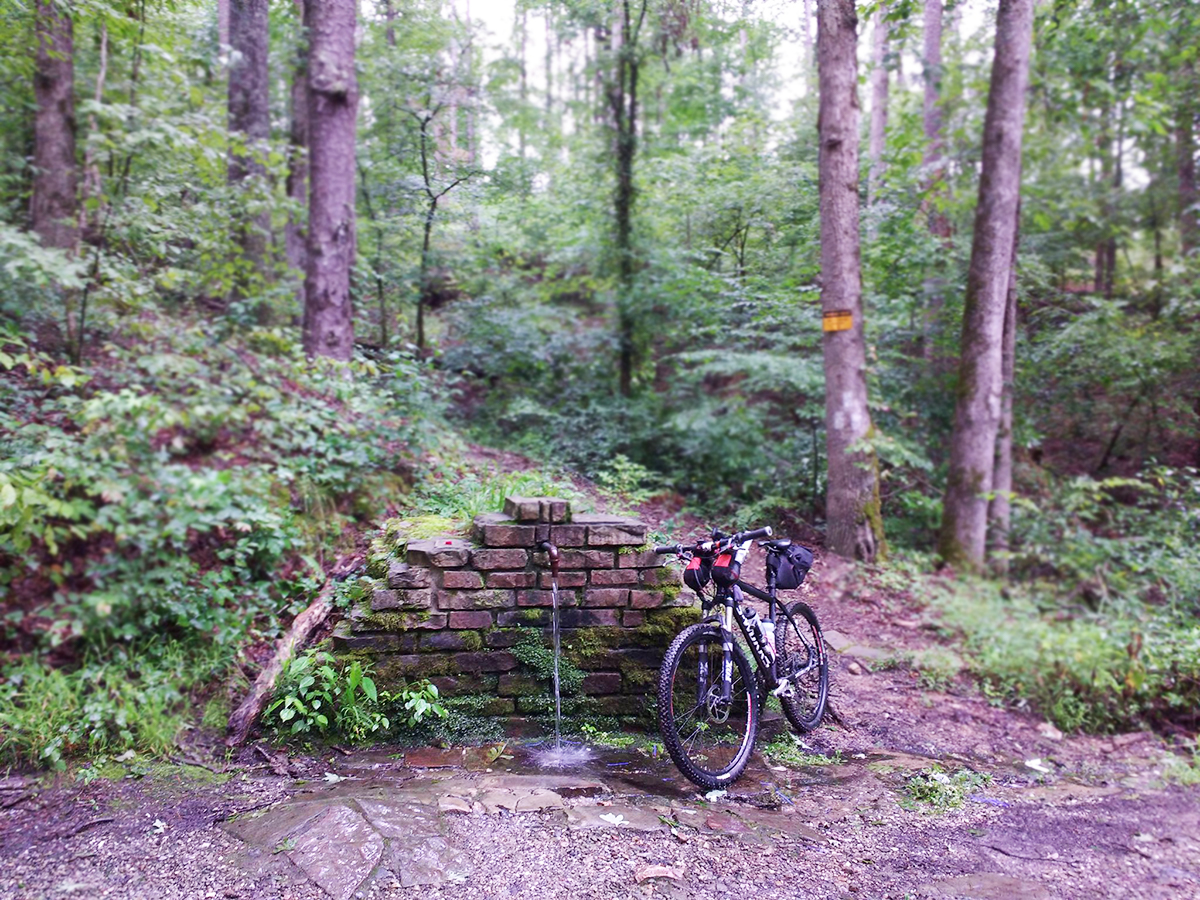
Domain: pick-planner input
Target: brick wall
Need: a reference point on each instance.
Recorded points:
(454, 611)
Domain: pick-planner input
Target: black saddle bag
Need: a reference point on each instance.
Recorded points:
(790, 566)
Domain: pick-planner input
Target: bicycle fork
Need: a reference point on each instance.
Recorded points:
(703, 684)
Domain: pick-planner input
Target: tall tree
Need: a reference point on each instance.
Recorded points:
(52, 208)
(852, 507)
(297, 177)
(879, 104)
(935, 169)
(1000, 501)
(1185, 137)
(622, 95)
(978, 407)
(332, 108)
(249, 117)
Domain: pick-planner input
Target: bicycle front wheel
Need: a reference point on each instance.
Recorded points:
(801, 659)
(709, 738)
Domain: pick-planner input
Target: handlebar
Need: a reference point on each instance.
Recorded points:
(719, 540)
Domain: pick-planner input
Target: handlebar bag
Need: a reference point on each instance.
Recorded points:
(698, 573)
(790, 566)
(726, 569)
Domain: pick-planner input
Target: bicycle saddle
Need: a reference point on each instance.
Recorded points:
(779, 545)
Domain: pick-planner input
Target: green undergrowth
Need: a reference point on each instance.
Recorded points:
(937, 791)
(788, 750)
(187, 482)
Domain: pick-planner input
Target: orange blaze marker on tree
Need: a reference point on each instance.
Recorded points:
(837, 320)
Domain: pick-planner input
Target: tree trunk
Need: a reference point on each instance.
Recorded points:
(852, 508)
(92, 185)
(223, 22)
(623, 106)
(389, 14)
(249, 123)
(1000, 504)
(879, 105)
(1185, 137)
(935, 173)
(977, 411)
(332, 107)
(297, 177)
(52, 207)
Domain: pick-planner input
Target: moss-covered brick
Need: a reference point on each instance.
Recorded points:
(565, 579)
(515, 617)
(499, 559)
(675, 595)
(439, 552)
(645, 599)
(393, 670)
(614, 577)
(497, 530)
(633, 618)
(474, 620)
(501, 638)
(461, 580)
(511, 579)
(489, 599)
(546, 598)
(662, 576)
(583, 645)
(638, 559)
(578, 559)
(602, 683)
(521, 509)
(402, 576)
(514, 685)
(390, 599)
(363, 619)
(346, 640)
(457, 685)
(451, 640)
(583, 618)
(616, 535)
(607, 597)
(496, 706)
(485, 661)
(620, 705)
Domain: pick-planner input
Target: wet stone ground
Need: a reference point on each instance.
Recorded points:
(1063, 817)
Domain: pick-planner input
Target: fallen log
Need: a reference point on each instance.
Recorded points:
(244, 717)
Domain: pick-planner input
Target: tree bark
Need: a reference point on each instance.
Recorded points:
(389, 14)
(249, 121)
(1185, 139)
(297, 177)
(1000, 504)
(852, 506)
(332, 108)
(935, 173)
(53, 204)
(623, 106)
(977, 410)
(243, 718)
(879, 105)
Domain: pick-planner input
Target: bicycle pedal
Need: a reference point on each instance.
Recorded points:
(784, 690)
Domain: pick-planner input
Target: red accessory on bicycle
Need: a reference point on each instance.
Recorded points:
(698, 572)
(726, 570)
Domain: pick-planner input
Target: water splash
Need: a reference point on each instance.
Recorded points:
(563, 756)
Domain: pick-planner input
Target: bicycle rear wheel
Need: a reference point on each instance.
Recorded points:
(801, 658)
(709, 738)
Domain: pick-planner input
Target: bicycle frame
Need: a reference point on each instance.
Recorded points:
(731, 601)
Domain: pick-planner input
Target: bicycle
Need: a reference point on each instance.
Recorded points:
(709, 723)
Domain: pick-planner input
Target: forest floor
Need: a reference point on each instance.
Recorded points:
(1059, 817)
